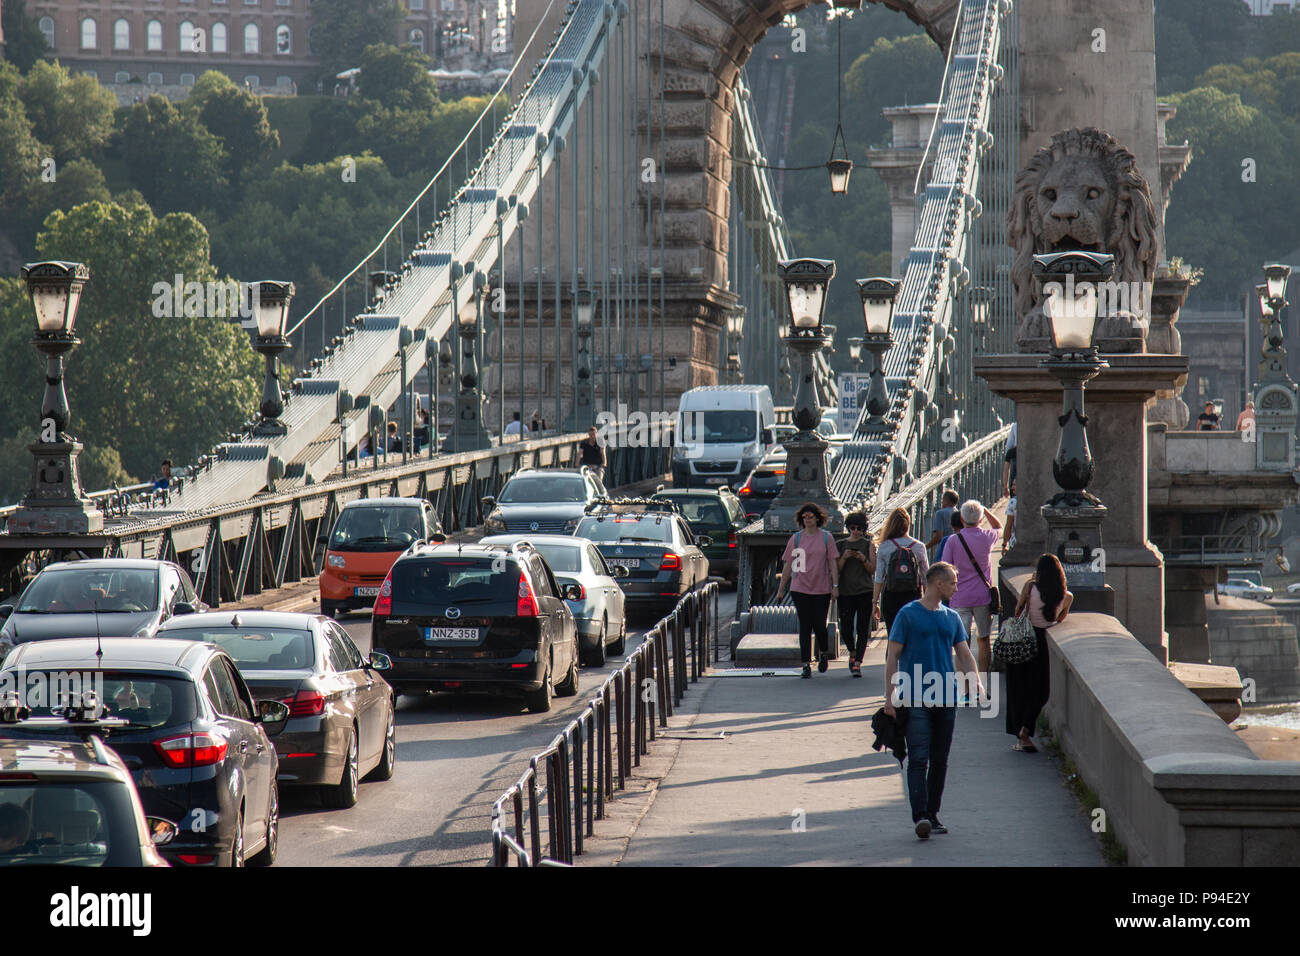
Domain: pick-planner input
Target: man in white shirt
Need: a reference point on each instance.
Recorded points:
(516, 428)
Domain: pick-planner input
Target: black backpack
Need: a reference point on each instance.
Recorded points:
(902, 573)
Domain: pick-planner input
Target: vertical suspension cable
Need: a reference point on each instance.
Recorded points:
(663, 228)
(541, 218)
(559, 178)
(606, 362)
(636, 208)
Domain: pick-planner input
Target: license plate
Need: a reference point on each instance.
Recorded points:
(451, 633)
(366, 592)
(630, 563)
(715, 481)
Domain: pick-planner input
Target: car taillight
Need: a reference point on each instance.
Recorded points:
(671, 563)
(745, 489)
(731, 539)
(195, 858)
(526, 606)
(191, 750)
(778, 471)
(305, 703)
(384, 602)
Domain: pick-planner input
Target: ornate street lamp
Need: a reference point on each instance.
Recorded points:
(855, 352)
(1276, 396)
(1069, 283)
(54, 503)
(584, 389)
(877, 295)
(469, 434)
(271, 312)
(1276, 275)
(735, 319)
(807, 282)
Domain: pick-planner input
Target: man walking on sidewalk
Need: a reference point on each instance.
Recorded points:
(920, 662)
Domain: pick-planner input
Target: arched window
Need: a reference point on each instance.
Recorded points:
(154, 79)
(252, 41)
(284, 82)
(187, 79)
(89, 34)
(153, 35)
(122, 76)
(187, 37)
(219, 37)
(121, 35)
(283, 40)
(47, 31)
(416, 37)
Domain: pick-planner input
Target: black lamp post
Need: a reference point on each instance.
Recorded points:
(877, 297)
(855, 352)
(807, 282)
(735, 335)
(584, 389)
(1276, 396)
(271, 311)
(54, 503)
(1069, 283)
(469, 434)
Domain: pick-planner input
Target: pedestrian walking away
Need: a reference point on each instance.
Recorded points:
(857, 564)
(901, 564)
(1009, 528)
(810, 572)
(1009, 461)
(591, 452)
(1029, 684)
(922, 643)
(941, 524)
(968, 551)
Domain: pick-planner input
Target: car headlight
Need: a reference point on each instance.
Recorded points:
(336, 561)
(494, 522)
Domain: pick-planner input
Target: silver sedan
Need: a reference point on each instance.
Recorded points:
(599, 613)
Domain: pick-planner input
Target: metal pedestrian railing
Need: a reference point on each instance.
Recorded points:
(594, 755)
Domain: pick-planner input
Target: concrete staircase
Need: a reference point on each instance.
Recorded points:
(1253, 638)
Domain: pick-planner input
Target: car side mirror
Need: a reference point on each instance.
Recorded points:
(488, 502)
(183, 607)
(5, 611)
(768, 437)
(573, 592)
(380, 661)
(703, 541)
(620, 571)
(272, 715)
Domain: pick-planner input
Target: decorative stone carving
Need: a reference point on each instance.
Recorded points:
(1084, 191)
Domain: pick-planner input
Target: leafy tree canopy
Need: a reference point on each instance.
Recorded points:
(237, 118)
(398, 77)
(73, 114)
(24, 42)
(344, 28)
(171, 156)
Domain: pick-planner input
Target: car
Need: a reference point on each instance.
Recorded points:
(722, 433)
(716, 513)
(474, 617)
(198, 747)
(541, 500)
(783, 432)
(99, 597)
(342, 720)
(763, 484)
(69, 803)
(366, 539)
(598, 613)
(663, 557)
(1238, 587)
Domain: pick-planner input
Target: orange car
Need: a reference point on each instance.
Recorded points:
(368, 537)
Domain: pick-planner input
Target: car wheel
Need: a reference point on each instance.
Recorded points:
(237, 848)
(597, 657)
(619, 646)
(569, 686)
(389, 758)
(329, 609)
(344, 793)
(539, 701)
(268, 854)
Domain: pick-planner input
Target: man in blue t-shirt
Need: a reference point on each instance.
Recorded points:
(922, 685)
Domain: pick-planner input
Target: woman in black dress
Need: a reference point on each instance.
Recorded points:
(1029, 683)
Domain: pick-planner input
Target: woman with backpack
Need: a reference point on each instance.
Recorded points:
(1047, 599)
(814, 560)
(901, 563)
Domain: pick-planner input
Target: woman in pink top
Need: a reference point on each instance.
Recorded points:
(811, 556)
(1029, 683)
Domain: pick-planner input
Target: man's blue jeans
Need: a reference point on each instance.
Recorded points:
(929, 738)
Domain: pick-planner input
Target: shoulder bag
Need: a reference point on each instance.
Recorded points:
(1017, 640)
(994, 603)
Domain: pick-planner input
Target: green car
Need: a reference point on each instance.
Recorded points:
(715, 512)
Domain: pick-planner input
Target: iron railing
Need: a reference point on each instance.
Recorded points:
(641, 693)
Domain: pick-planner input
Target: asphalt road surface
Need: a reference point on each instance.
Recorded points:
(455, 755)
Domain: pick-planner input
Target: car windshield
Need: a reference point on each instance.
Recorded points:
(376, 528)
(561, 557)
(543, 488)
(256, 648)
(145, 700)
(701, 511)
(454, 579)
(626, 528)
(720, 426)
(83, 590)
(87, 823)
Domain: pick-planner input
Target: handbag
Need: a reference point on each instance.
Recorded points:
(994, 602)
(1017, 640)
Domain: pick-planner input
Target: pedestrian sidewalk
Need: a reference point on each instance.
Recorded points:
(795, 782)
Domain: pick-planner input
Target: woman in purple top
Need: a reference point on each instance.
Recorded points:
(968, 551)
(813, 560)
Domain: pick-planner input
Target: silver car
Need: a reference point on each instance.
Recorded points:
(598, 614)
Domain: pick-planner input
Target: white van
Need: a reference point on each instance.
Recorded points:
(722, 433)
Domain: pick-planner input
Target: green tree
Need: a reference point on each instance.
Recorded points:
(171, 157)
(344, 28)
(74, 183)
(73, 114)
(20, 151)
(893, 72)
(145, 385)
(24, 42)
(397, 77)
(237, 117)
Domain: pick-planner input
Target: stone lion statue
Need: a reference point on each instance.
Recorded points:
(1084, 191)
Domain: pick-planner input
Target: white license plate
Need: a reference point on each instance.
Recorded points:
(630, 563)
(366, 592)
(715, 481)
(451, 633)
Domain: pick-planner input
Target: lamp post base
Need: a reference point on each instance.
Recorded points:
(54, 503)
(1074, 535)
(270, 430)
(805, 481)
